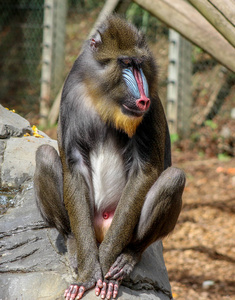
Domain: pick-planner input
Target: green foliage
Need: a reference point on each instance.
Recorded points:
(224, 157)
(231, 79)
(201, 154)
(174, 138)
(134, 14)
(211, 124)
(146, 22)
(195, 53)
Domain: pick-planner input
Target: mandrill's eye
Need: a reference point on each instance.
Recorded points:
(125, 62)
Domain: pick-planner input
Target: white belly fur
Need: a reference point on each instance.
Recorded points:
(108, 176)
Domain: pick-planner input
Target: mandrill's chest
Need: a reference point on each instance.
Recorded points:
(108, 181)
(108, 176)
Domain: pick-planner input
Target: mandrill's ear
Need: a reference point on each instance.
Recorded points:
(96, 41)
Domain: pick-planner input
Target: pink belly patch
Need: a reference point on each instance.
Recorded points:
(102, 222)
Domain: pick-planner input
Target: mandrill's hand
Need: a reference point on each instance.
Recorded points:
(121, 268)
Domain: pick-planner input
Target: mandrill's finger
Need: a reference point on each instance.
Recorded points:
(98, 287)
(74, 292)
(65, 293)
(110, 290)
(115, 273)
(119, 275)
(103, 291)
(68, 294)
(115, 292)
(80, 292)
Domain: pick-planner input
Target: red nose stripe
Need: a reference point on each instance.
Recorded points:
(139, 81)
(144, 102)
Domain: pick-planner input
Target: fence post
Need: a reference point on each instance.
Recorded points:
(47, 49)
(179, 98)
(185, 88)
(58, 62)
(52, 75)
(173, 82)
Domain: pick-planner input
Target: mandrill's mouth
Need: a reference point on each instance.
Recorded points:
(131, 111)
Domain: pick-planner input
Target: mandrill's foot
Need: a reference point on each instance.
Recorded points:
(76, 291)
(109, 289)
(98, 287)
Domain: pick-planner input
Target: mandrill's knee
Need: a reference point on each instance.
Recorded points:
(47, 157)
(173, 180)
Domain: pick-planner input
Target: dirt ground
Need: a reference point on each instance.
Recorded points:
(200, 254)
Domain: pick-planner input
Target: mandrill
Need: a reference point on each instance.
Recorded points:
(111, 188)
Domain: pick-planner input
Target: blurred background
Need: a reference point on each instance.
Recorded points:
(39, 42)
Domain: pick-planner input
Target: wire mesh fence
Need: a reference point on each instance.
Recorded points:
(21, 47)
(20, 52)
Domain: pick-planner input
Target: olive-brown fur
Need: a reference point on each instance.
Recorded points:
(94, 113)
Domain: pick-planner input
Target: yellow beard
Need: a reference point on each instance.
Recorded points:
(111, 113)
(127, 123)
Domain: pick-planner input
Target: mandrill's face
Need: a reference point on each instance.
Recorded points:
(122, 73)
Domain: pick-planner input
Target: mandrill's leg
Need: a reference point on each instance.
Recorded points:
(161, 208)
(48, 186)
(158, 218)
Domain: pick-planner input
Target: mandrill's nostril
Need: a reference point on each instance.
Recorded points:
(143, 104)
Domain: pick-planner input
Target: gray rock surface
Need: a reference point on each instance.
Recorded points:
(34, 262)
(12, 124)
(18, 155)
